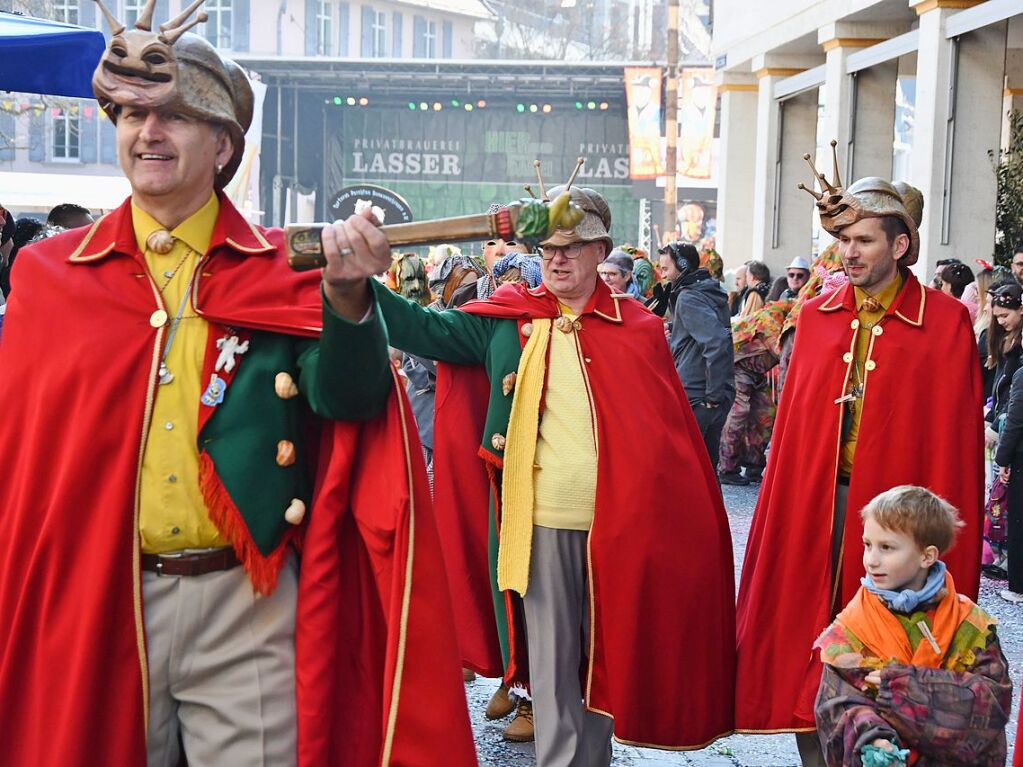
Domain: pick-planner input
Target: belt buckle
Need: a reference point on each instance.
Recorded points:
(159, 566)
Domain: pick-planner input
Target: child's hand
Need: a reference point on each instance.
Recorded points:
(874, 678)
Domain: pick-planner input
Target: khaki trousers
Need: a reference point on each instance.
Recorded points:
(221, 669)
(557, 611)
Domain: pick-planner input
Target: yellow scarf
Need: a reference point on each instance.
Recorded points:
(516, 536)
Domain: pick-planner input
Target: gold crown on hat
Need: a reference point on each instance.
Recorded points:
(869, 197)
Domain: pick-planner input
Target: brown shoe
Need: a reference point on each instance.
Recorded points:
(468, 675)
(521, 728)
(500, 704)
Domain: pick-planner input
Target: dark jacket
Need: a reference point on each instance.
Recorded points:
(701, 340)
(1004, 372)
(1010, 437)
(421, 390)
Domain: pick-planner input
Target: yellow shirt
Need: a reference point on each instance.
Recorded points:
(863, 336)
(172, 513)
(565, 470)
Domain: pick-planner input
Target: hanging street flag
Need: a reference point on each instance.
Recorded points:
(697, 106)
(643, 96)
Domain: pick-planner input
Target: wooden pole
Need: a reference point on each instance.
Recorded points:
(671, 123)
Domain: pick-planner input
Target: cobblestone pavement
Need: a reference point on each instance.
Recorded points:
(742, 750)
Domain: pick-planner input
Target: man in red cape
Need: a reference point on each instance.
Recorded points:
(626, 593)
(883, 390)
(115, 643)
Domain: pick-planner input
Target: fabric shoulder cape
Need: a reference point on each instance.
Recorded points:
(661, 573)
(921, 424)
(76, 372)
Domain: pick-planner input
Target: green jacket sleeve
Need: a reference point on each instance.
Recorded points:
(446, 336)
(346, 375)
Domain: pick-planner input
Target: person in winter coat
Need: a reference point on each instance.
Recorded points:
(1004, 352)
(1009, 458)
(701, 340)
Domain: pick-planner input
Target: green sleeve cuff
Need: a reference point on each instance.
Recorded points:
(347, 375)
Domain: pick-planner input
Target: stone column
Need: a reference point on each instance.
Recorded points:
(874, 121)
(736, 162)
(1012, 98)
(964, 225)
(782, 220)
(838, 41)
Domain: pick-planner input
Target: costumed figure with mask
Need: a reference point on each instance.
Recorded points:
(856, 418)
(186, 418)
(757, 339)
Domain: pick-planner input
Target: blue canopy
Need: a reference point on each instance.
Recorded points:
(46, 57)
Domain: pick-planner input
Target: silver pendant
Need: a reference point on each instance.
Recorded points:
(165, 375)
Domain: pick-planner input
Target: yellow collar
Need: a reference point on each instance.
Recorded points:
(196, 231)
(885, 297)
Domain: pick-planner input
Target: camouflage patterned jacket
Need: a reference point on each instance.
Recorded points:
(955, 715)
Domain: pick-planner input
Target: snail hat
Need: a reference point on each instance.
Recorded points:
(172, 69)
(870, 197)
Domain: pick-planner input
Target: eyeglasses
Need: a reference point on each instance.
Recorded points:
(797, 275)
(547, 252)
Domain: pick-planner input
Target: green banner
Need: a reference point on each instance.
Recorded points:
(454, 162)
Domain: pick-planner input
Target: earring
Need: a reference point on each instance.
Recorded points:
(219, 168)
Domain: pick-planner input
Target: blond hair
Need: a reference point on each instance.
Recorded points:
(929, 519)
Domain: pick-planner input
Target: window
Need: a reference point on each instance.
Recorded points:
(65, 135)
(324, 22)
(217, 28)
(132, 11)
(430, 39)
(66, 11)
(379, 34)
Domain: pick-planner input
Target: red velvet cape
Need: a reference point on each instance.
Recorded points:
(461, 493)
(374, 606)
(76, 387)
(921, 424)
(661, 575)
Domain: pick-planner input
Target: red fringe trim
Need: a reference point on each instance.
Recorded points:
(492, 461)
(262, 570)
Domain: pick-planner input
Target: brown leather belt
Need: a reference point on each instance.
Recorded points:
(190, 564)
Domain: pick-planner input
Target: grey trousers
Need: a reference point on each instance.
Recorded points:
(556, 608)
(809, 745)
(221, 669)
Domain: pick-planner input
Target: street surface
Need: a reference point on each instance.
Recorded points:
(743, 750)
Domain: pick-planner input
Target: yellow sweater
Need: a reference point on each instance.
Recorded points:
(565, 469)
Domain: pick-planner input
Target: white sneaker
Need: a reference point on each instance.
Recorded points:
(1011, 596)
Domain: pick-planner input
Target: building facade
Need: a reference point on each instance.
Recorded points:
(914, 90)
(72, 140)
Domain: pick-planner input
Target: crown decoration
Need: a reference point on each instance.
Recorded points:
(869, 197)
(836, 207)
(540, 217)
